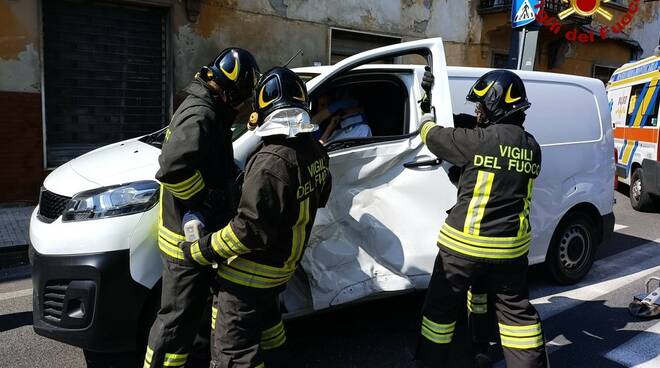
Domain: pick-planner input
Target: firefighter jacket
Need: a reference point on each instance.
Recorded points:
(286, 181)
(197, 169)
(490, 221)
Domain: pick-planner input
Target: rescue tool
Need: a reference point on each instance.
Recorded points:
(647, 305)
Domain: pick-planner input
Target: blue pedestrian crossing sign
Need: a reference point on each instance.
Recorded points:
(523, 12)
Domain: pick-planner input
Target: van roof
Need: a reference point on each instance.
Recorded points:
(636, 68)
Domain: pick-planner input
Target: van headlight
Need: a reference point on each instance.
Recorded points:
(112, 201)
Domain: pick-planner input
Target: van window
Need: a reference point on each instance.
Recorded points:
(562, 113)
(552, 104)
(646, 109)
(367, 108)
(459, 87)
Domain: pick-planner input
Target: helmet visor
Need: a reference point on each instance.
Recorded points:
(289, 122)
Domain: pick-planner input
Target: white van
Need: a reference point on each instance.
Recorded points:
(96, 277)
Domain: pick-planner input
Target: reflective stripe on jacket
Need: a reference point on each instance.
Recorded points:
(197, 167)
(286, 181)
(500, 162)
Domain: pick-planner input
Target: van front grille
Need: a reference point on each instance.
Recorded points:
(53, 304)
(51, 205)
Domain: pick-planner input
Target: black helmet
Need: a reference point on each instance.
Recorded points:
(501, 92)
(235, 71)
(278, 88)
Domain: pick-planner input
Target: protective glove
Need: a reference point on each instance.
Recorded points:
(187, 255)
(194, 255)
(428, 79)
(427, 84)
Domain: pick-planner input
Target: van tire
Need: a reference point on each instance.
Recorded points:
(572, 248)
(640, 199)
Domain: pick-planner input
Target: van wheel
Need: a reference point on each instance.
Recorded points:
(572, 248)
(640, 199)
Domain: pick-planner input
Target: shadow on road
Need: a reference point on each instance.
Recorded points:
(15, 320)
(588, 332)
(380, 333)
(619, 243)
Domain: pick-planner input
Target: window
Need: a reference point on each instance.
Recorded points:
(345, 43)
(500, 61)
(604, 73)
(380, 99)
(645, 110)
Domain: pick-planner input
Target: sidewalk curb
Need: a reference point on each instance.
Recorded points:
(13, 256)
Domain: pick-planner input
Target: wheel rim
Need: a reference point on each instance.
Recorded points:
(636, 189)
(575, 248)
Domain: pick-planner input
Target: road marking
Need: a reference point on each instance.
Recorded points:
(617, 270)
(16, 294)
(618, 227)
(639, 352)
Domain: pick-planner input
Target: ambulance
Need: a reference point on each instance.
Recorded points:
(633, 94)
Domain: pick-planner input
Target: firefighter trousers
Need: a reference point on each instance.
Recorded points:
(185, 302)
(248, 330)
(482, 322)
(519, 324)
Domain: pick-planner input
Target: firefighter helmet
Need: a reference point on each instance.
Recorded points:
(236, 71)
(501, 92)
(280, 104)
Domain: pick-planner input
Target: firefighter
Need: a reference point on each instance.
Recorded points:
(481, 318)
(197, 174)
(286, 180)
(486, 236)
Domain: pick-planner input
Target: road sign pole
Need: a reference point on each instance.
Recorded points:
(512, 62)
(524, 35)
(528, 46)
(521, 47)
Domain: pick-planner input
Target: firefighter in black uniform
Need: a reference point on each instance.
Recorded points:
(286, 180)
(487, 234)
(481, 318)
(197, 174)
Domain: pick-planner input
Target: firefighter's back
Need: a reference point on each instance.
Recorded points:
(295, 172)
(495, 188)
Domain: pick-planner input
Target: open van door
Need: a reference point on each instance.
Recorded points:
(430, 48)
(377, 233)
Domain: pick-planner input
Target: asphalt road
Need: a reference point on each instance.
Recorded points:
(586, 325)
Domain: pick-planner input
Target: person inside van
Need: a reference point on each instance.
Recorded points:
(344, 118)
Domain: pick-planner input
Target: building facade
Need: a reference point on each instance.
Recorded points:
(76, 75)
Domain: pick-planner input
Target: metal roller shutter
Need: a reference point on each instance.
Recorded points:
(104, 75)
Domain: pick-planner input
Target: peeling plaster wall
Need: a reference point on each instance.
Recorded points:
(276, 29)
(19, 45)
(413, 18)
(646, 27)
(272, 39)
